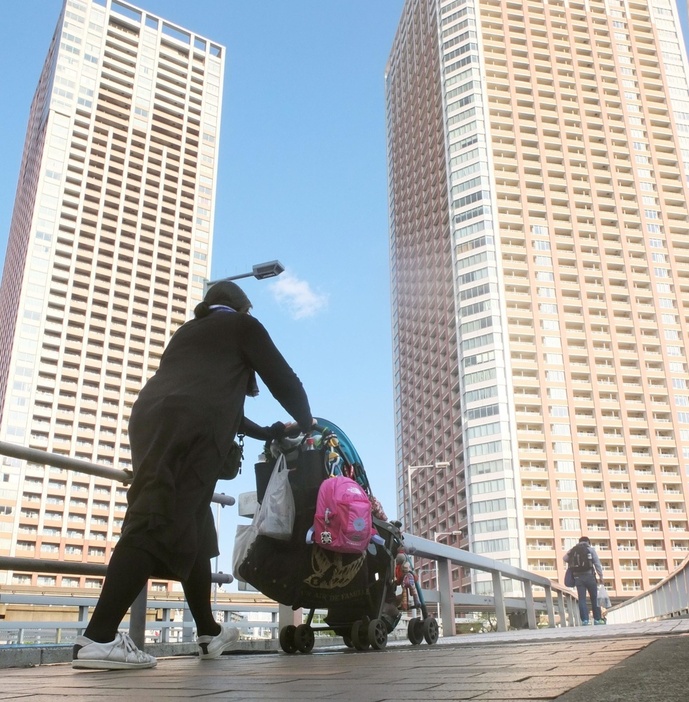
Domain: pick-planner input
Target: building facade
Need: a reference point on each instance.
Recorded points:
(538, 160)
(108, 251)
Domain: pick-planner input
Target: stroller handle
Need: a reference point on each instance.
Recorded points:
(315, 428)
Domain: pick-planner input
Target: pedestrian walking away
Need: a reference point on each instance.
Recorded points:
(585, 565)
(181, 430)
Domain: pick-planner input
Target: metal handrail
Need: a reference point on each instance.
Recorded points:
(80, 466)
(137, 619)
(46, 565)
(63, 617)
(669, 598)
(445, 556)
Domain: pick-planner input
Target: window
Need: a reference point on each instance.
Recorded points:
(489, 506)
(487, 486)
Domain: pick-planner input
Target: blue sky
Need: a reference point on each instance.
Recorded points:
(683, 7)
(302, 179)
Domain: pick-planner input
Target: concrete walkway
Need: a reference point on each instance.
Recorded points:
(615, 663)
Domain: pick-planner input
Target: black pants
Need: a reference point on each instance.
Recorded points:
(128, 572)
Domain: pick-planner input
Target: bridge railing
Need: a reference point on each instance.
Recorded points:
(669, 598)
(173, 623)
(137, 621)
(554, 595)
(445, 556)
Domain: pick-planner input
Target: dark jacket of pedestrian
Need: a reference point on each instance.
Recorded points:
(185, 420)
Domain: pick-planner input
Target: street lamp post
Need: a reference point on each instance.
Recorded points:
(260, 271)
(410, 470)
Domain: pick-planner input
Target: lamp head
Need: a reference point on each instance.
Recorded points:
(267, 270)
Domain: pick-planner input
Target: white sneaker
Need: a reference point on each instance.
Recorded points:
(120, 654)
(211, 647)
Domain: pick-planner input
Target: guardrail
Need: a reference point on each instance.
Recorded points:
(137, 620)
(444, 556)
(80, 466)
(669, 598)
(74, 617)
(449, 601)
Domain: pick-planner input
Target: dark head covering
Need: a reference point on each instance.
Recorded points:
(224, 293)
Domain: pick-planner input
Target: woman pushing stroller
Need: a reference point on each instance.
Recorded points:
(181, 430)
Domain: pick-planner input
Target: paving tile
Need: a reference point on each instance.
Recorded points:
(512, 667)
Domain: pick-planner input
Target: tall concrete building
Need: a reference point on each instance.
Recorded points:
(108, 251)
(538, 162)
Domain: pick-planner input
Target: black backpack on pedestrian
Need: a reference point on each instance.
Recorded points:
(580, 559)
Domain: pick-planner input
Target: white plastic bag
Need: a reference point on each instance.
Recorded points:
(276, 514)
(603, 598)
(245, 537)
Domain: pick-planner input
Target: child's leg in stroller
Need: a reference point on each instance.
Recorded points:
(197, 590)
(128, 572)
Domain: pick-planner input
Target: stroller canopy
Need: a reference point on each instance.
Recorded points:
(347, 449)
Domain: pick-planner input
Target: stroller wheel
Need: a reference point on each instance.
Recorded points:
(430, 630)
(347, 640)
(304, 638)
(415, 631)
(360, 635)
(378, 634)
(287, 643)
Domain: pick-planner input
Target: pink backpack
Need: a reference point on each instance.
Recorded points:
(343, 517)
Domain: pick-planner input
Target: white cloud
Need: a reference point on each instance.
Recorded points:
(297, 296)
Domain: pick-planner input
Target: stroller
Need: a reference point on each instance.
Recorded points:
(357, 590)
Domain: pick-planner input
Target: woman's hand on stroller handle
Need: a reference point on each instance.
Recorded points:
(292, 429)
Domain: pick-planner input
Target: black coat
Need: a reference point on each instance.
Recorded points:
(182, 426)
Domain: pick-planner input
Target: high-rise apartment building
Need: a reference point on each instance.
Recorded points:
(108, 252)
(538, 162)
